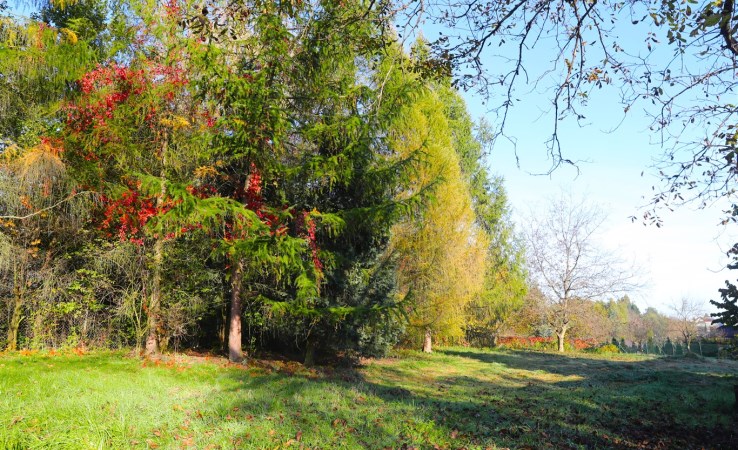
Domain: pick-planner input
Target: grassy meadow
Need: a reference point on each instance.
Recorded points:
(455, 398)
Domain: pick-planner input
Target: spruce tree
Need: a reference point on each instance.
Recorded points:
(729, 305)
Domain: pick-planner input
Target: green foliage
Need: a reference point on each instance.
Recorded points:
(38, 63)
(311, 127)
(85, 18)
(272, 137)
(607, 348)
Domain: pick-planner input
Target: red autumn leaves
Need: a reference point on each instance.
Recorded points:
(92, 111)
(99, 117)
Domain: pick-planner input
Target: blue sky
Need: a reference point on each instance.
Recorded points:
(683, 258)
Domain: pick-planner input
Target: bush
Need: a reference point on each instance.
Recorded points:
(527, 343)
(606, 348)
(543, 343)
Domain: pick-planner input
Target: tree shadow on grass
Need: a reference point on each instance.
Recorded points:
(320, 412)
(535, 401)
(648, 403)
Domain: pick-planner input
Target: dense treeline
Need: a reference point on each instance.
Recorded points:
(241, 175)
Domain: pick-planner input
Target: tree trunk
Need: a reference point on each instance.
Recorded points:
(152, 340)
(560, 336)
(15, 322)
(428, 341)
(223, 327)
(235, 353)
(17, 316)
(310, 353)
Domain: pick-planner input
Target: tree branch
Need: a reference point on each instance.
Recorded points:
(41, 211)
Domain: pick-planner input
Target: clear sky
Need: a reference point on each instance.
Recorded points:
(685, 257)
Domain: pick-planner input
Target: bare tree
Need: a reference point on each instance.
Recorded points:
(569, 265)
(686, 313)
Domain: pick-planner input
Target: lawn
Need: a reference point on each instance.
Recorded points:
(454, 398)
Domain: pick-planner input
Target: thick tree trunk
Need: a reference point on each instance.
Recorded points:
(310, 353)
(235, 353)
(152, 340)
(428, 341)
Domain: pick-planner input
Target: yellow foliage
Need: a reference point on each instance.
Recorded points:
(69, 35)
(43, 157)
(8, 32)
(175, 123)
(203, 172)
(39, 169)
(442, 252)
(11, 153)
(61, 4)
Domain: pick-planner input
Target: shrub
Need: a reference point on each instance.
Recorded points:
(606, 348)
(543, 343)
(526, 343)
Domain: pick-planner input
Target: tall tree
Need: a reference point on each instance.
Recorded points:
(132, 129)
(442, 250)
(567, 262)
(505, 280)
(39, 63)
(298, 142)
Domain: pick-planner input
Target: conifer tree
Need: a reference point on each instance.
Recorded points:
(505, 279)
(441, 249)
(728, 305)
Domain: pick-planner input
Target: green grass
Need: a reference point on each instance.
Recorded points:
(455, 398)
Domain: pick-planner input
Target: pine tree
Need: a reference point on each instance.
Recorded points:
(729, 306)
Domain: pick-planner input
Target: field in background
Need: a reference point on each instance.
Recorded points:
(454, 398)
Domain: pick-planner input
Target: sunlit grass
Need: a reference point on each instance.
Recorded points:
(455, 398)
